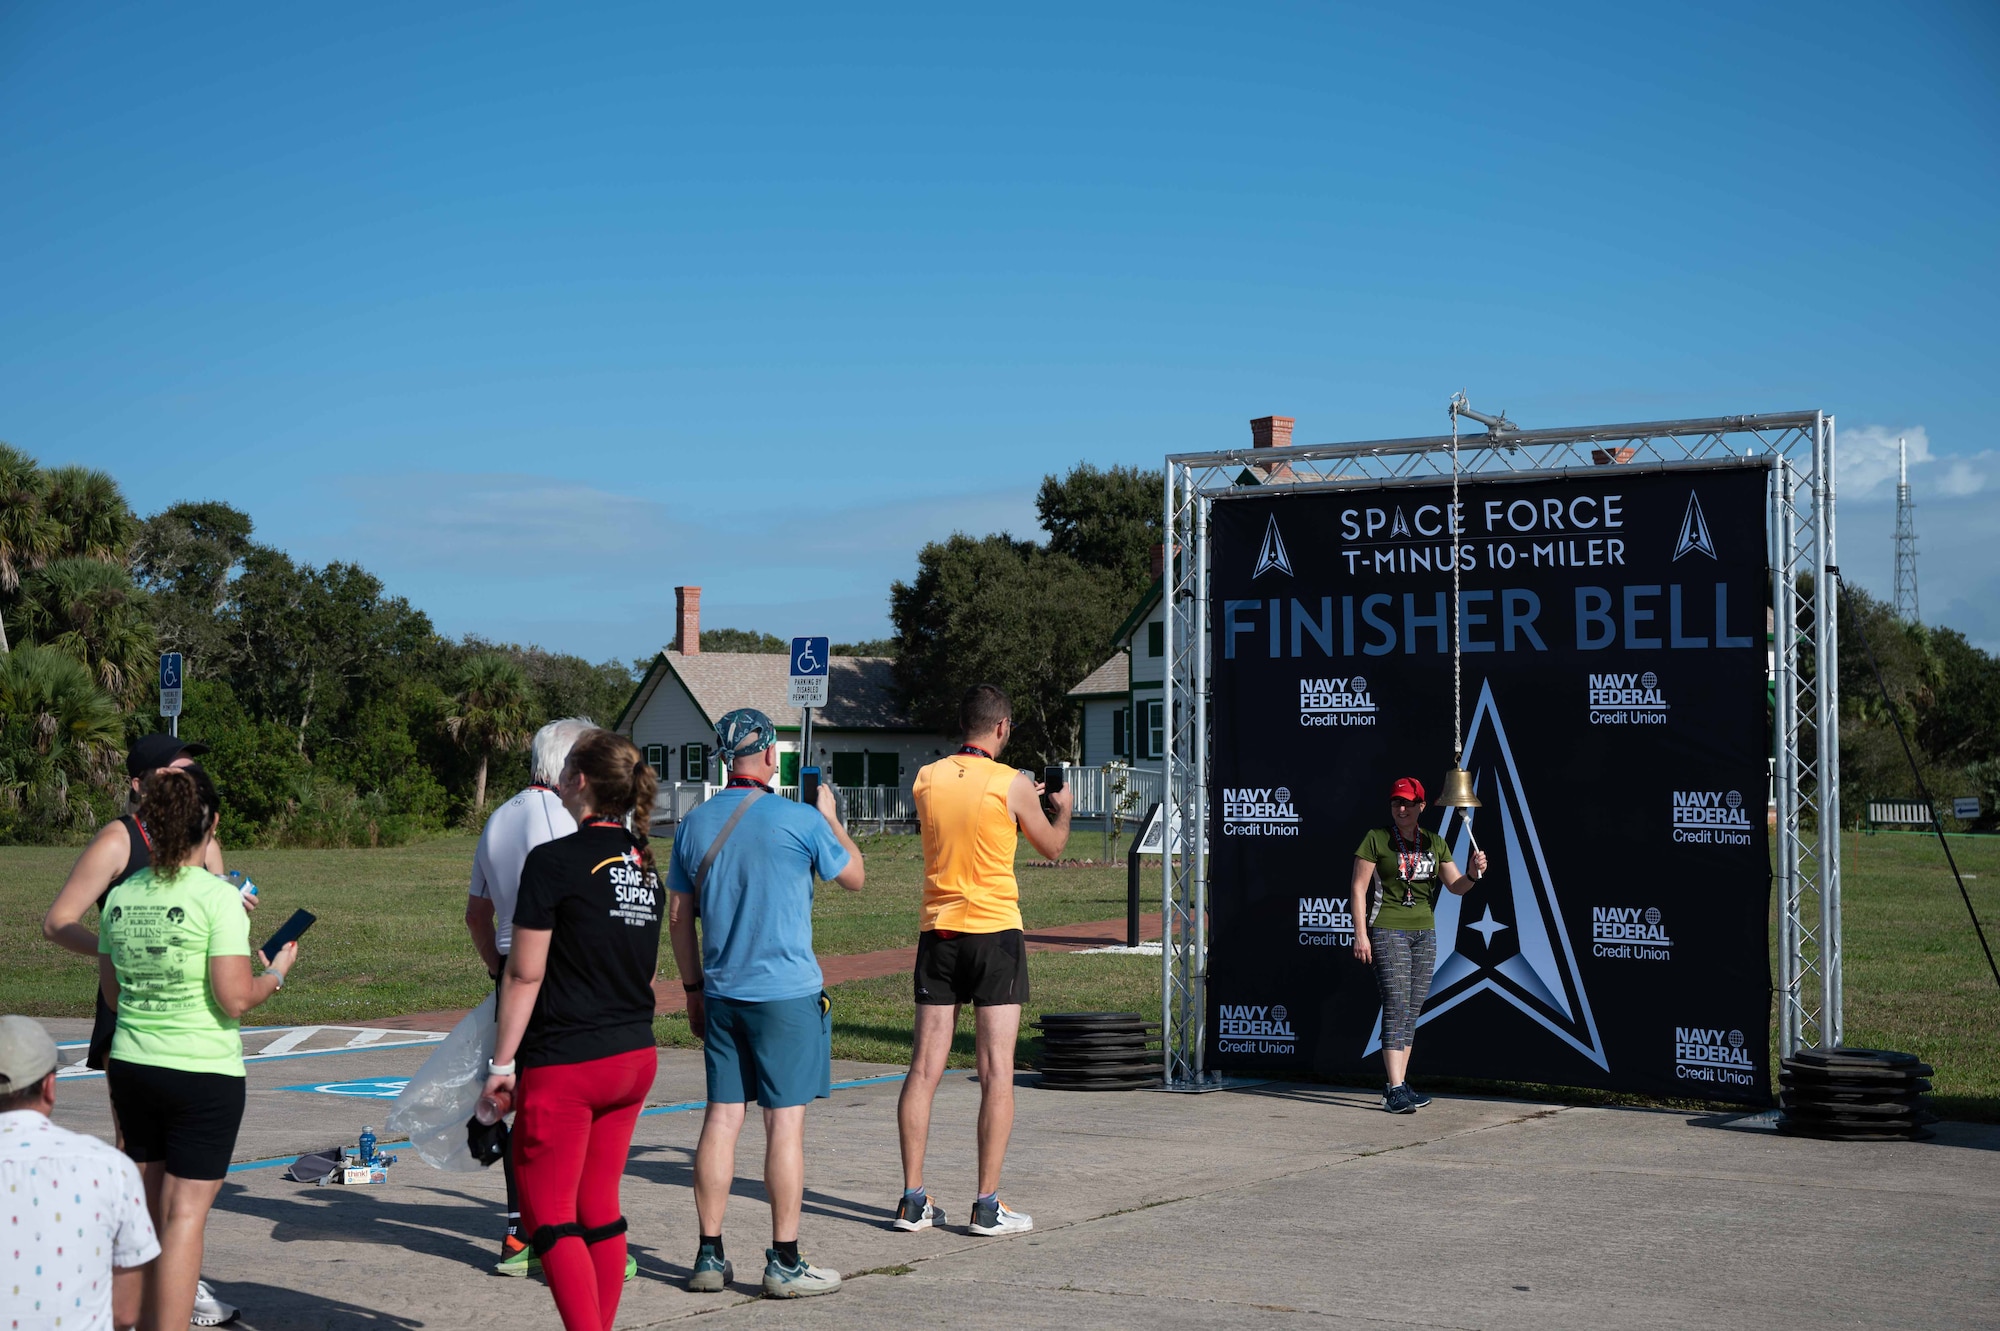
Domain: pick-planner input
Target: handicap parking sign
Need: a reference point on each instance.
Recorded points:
(810, 662)
(378, 1088)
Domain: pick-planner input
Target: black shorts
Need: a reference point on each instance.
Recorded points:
(187, 1119)
(101, 1032)
(985, 970)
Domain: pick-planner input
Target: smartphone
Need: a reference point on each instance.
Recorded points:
(809, 785)
(301, 921)
(1052, 778)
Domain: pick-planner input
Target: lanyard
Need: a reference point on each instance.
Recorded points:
(745, 783)
(975, 751)
(144, 835)
(1407, 857)
(605, 822)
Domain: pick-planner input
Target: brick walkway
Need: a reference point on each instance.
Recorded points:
(669, 996)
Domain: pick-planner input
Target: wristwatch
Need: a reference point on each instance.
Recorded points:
(690, 986)
(499, 1069)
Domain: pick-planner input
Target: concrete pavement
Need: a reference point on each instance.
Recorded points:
(1273, 1206)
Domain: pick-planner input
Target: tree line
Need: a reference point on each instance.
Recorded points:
(335, 713)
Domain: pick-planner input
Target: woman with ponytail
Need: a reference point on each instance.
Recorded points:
(174, 963)
(575, 1044)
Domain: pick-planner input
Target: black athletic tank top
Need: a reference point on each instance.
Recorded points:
(139, 857)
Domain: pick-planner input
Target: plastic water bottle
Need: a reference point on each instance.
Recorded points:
(367, 1145)
(493, 1108)
(244, 885)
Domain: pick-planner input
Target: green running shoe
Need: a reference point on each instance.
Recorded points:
(631, 1266)
(796, 1282)
(712, 1274)
(516, 1259)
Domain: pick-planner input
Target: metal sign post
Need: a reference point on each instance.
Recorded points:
(170, 690)
(810, 660)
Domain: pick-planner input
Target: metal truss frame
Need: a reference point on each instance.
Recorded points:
(1797, 450)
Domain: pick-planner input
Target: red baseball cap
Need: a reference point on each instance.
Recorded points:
(1407, 788)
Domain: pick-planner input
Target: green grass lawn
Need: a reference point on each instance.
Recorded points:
(390, 940)
(391, 935)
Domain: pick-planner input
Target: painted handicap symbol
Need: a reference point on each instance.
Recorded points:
(378, 1088)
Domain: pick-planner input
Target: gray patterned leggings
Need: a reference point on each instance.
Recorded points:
(1404, 959)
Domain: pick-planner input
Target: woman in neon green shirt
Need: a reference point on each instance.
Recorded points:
(174, 961)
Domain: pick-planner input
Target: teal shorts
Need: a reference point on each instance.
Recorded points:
(778, 1054)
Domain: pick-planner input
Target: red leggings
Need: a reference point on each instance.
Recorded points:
(571, 1136)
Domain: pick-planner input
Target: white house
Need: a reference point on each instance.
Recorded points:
(862, 739)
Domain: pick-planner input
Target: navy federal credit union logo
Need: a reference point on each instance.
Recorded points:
(1518, 949)
(1272, 557)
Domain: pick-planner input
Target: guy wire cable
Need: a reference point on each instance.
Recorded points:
(1922, 789)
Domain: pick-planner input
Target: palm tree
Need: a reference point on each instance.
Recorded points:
(29, 537)
(491, 711)
(91, 611)
(96, 521)
(60, 735)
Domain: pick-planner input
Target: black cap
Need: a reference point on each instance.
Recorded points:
(153, 752)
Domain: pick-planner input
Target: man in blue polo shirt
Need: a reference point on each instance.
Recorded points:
(743, 864)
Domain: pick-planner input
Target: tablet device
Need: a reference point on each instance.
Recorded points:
(301, 921)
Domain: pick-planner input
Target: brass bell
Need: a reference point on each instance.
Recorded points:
(1457, 792)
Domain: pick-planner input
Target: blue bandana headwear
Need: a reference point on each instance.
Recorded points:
(743, 732)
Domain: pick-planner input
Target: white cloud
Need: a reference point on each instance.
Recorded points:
(1867, 465)
(497, 520)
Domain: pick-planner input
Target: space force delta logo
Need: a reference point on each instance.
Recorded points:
(1627, 700)
(1711, 818)
(1717, 1057)
(1244, 1028)
(1627, 933)
(1336, 702)
(1259, 811)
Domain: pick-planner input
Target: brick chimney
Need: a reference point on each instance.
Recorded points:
(1273, 432)
(687, 620)
(1159, 558)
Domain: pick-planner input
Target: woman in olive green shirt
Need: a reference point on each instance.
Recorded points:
(174, 962)
(1400, 938)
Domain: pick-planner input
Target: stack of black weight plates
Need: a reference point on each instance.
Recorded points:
(1854, 1095)
(1098, 1051)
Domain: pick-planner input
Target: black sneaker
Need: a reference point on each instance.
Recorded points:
(1396, 1100)
(913, 1215)
(1418, 1100)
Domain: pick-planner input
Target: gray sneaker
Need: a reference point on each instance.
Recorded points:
(796, 1282)
(1396, 1100)
(910, 1217)
(996, 1217)
(711, 1274)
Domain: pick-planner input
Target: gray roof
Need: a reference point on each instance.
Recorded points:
(860, 691)
(1114, 676)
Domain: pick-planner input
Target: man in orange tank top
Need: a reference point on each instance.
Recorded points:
(970, 807)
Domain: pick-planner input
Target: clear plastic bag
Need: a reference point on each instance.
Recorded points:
(433, 1108)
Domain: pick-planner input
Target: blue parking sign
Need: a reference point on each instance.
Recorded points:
(170, 684)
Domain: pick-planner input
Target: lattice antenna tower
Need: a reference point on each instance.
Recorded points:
(1906, 539)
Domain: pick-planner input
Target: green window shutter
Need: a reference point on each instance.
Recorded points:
(885, 769)
(788, 769)
(850, 769)
(1156, 639)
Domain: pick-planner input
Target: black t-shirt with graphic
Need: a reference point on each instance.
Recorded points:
(602, 906)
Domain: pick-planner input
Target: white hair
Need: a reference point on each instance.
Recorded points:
(552, 744)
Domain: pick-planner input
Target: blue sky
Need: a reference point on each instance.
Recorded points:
(538, 310)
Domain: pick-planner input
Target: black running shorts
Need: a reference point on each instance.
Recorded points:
(985, 970)
(187, 1119)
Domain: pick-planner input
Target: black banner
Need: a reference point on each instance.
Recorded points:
(1617, 731)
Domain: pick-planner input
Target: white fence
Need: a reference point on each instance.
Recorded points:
(1110, 801)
